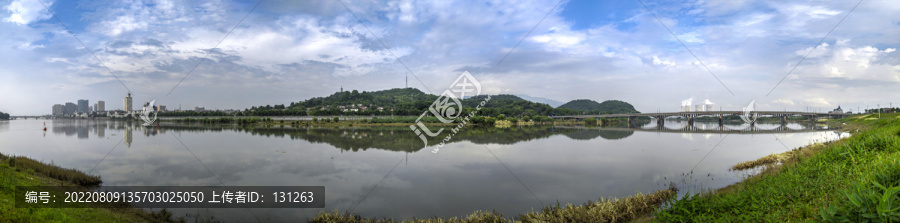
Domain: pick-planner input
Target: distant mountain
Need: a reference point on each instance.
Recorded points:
(551, 102)
(592, 107)
(496, 97)
(405, 101)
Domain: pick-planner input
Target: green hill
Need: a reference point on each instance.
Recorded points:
(592, 107)
(581, 105)
(412, 102)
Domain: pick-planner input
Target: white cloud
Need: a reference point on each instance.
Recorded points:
(783, 101)
(813, 53)
(139, 16)
(27, 11)
(657, 61)
(691, 37)
(560, 39)
(821, 102)
(29, 46)
(749, 45)
(123, 24)
(850, 62)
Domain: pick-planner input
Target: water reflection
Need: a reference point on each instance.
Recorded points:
(558, 163)
(400, 139)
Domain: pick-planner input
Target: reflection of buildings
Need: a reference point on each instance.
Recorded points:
(153, 131)
(83, 129)
(127, 133)
(101, 129)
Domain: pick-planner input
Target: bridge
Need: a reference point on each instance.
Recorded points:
(716, 130)
(660, 117)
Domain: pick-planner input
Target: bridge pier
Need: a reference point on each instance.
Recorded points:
(753, 124)
(631, 121)
(783, 120)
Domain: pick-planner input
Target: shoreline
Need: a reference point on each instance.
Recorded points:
(24, 171)
(831, 181)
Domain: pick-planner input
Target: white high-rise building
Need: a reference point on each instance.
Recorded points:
(101, 106)
(58, 109)
(127, 101)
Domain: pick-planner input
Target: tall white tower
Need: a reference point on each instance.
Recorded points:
(127, 102)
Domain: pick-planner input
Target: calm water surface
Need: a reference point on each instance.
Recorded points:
(565, 164)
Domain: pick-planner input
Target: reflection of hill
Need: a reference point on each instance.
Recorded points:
(401, 139)
(615, 134)
(387, 138)
(396, 138)
(588, 134)
(584, 134)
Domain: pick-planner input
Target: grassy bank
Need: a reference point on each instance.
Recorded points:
(855, 179)
(23, 171)
(603, 210)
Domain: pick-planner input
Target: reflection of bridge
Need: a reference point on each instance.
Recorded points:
(752, 129)
(660, 117)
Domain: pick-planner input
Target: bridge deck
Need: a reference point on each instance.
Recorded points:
(666, 114)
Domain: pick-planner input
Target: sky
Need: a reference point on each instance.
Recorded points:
(237, 54)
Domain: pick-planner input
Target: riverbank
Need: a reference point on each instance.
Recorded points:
(23, 171)
(602, 210)
(854, 179)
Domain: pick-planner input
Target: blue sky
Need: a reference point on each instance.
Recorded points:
(287, 51)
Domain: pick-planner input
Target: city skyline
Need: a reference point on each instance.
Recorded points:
(729, 52)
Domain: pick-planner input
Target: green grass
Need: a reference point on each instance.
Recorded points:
(855, 179)
(27, 172)
(603, 210)
(69, 175)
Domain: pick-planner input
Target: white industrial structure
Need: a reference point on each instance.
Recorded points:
(686, 106)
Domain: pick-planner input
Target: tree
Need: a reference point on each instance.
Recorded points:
(590, 121)
(336, 118)
(4, 116)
